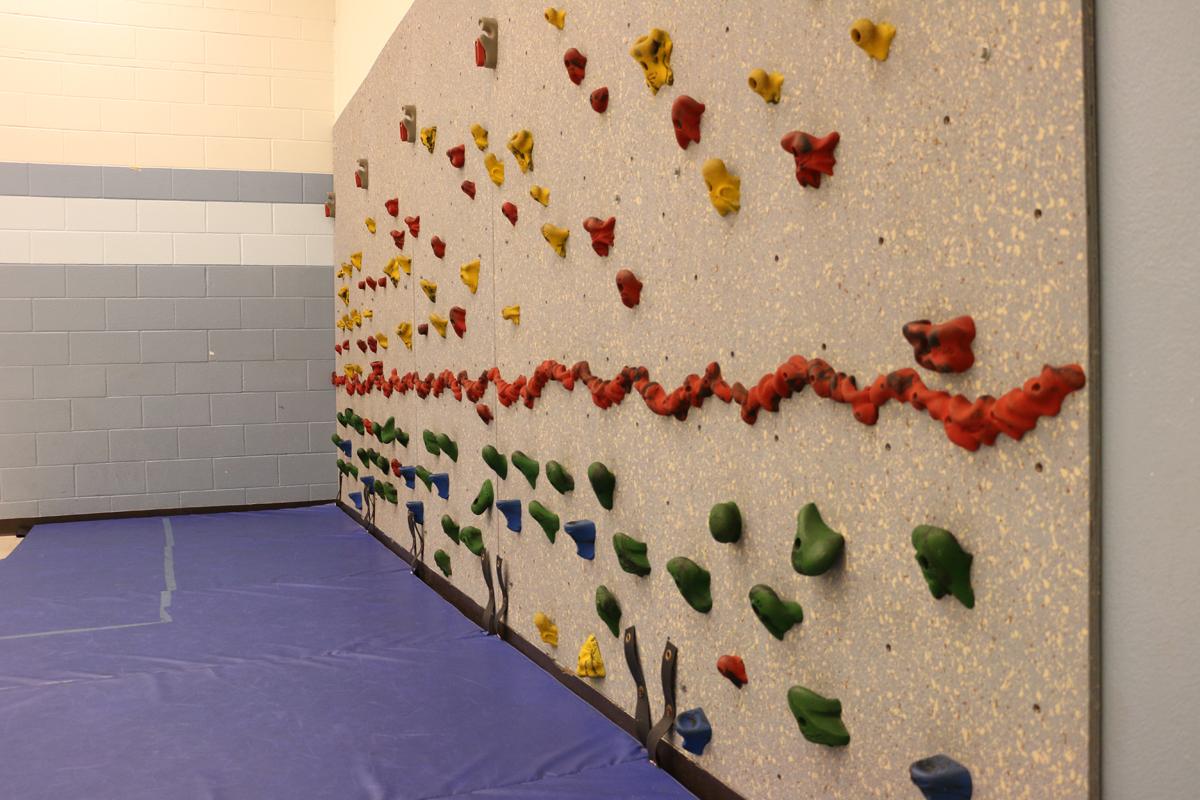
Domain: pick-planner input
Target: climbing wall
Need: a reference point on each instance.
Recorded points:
(959, 190)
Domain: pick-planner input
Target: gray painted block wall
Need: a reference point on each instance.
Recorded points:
(132, 386)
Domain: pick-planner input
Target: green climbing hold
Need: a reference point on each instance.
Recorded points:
(388, 433)
(820, 718)
(387, 491)
(544, 517)
(609, 609)
(817, 546)
(442, 559)
(483, 500)
(343, 417)
(496, 460)
(472, 538)
(693, 581)
(559, 478)
(528, 467)
(631, 555)
(431, 442)
(944, 563)
(450, 527)
(364, 455)
(348, 469)
(381, 462)
(358, 423)
(402, 438)
(448, 446)
(725, 522)
(778, 616)
(604, 483)
(425, 477)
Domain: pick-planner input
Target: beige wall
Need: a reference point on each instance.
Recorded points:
(362, 29)
(216, 84)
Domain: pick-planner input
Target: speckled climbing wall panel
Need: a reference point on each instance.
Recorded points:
(938, 175)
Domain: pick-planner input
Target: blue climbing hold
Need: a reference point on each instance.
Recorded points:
(417, 509)
(344, 445)
(410, 476)
(369, 484)
(356, 498)
(442, 482)
(511, 509)
(940, 777)
(694, 728)
(583, 531)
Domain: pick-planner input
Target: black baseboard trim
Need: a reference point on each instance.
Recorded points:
(20, 526)
(693, 778)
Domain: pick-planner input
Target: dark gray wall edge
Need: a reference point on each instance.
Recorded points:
(125, 183)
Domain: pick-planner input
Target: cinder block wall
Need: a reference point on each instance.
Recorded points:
(165, 264)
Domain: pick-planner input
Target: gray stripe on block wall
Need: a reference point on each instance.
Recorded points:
(123, 183)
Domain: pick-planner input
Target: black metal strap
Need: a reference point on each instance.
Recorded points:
(667, 721)
(417, 530)
(501, 619)
(634, 660)
(489, 611)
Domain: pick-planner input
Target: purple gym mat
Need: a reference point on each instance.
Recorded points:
(275, 654)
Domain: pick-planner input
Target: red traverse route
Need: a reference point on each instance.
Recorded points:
(968, 423)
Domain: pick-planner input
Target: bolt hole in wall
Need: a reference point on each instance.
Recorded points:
(903, 555)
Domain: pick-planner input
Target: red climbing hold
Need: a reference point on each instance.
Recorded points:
(396, 465)
(576, 63)
(423, 329)
(458, 320)
(439, 247)
(484, 412)
(685, 116)
(733, 668)
(393, 206)
(398, 238)
(373, 344)
(468, 188)
(414, 226)
(942, 348)
(370, 282)
(602, 233)
(600, 100)
(510, 211)
(457, 155)
(362, 345)
(629, 287)
(480, 53)
(814, 157)
(404, 133)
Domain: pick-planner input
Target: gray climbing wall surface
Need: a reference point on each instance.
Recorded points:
(960, 189)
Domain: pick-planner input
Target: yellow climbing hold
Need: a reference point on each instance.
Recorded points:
(404, 331)
(356, 261)
(512, 314)
(556, 17)
(430, 289)
(371, 224)
(429, 137)
(767, 86)
(344, 294)
(724, 189)
(653, 52)
(342, 324)
(353, 370)
(367, 314)
(546, 628)
(439, 324)
(541, 194)
(346, 271)
(382, 340)
(875, 39)
(355, 318)
(557, 237)
(591, 665)
(469, 273)
(495, 168)
(480, 134)
(520, 144)
(397, 265)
